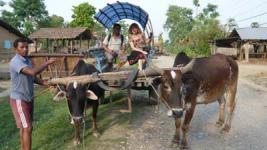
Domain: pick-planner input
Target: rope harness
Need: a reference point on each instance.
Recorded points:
(164, 101)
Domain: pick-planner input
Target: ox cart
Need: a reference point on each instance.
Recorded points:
(128, 78)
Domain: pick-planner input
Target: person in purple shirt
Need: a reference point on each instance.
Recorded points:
(23, 76)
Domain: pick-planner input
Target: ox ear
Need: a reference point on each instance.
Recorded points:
(157, 81)
(91, 95)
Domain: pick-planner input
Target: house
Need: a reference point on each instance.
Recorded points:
(243, 43)
(57, 40)
(8, 35)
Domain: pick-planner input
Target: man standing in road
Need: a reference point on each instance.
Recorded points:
(23, 76)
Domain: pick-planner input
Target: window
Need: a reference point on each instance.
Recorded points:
(7, 44)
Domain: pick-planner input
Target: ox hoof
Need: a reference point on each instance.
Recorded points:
(225, 129)
(219, 124)
(174, 145)
(96, 134)
(184, 147)
(76, 142)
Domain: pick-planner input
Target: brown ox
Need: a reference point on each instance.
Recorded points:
(201, 81)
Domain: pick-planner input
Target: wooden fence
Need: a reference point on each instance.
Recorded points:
(62, 68)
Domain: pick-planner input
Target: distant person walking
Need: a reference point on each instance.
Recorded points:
(23, 76)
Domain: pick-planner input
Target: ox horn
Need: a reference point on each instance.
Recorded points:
(157, 69)
(188, 67)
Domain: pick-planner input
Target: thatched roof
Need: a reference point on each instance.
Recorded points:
(62, 33)
(11, 29)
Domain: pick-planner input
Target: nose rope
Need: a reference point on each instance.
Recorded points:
(66, 103)
(85, 106)
(42, 92)
(153, 87)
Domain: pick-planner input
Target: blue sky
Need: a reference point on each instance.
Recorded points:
(239, 9)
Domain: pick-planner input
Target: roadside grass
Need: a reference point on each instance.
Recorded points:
(52, 128)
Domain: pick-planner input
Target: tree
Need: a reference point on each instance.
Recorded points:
(25, 15)
(52, 21)
(206, 28)
(254, 25)
(192, 34)
(196, 4)
(2, 3)
(124, 27)
(208, 13)
(230, 25)
(179, 23)
(99, 30)
(200, 38)
(83, 16)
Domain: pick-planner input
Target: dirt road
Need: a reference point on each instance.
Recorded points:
(249, 126)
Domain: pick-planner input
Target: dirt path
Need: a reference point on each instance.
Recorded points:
(155, 131)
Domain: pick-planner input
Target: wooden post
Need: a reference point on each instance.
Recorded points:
(240, 51)
(80, 43)
(66, 66)
(52, 45)
(110, 96)
(47, 45)
(36, 43)
(57, 45)
(63, 43)
(71, 46)
(129, 99)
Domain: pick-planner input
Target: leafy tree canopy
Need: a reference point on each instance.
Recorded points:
(179, 22)
(2, 3)
(254, 25)
(230, 25)
(83, 15)
(196, 3)
(192, 34)
(52, 21)
(25, 15)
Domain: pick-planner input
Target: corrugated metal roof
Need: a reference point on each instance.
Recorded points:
(252, 33)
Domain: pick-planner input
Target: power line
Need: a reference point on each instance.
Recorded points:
(238, 4)
(263, 23)
(254, 8)
(252, 17)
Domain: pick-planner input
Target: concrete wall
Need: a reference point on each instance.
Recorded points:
(226, 51)
(6, 54)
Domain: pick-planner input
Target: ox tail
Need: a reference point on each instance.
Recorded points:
(234, 69)
(231, 92)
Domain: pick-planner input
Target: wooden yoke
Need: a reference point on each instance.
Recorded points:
(123, 75)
